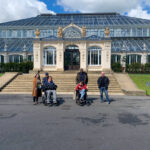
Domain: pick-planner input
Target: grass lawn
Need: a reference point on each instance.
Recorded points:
(141, 81)
(1, 74)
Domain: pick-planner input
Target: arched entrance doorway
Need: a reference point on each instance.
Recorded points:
(72, 58)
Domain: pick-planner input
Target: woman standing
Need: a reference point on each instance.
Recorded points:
(36, 91)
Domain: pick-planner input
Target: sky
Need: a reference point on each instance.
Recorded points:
(19, 9)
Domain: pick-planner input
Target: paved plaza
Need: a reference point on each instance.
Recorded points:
(122, 125)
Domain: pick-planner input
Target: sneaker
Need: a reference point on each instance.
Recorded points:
(108, 102)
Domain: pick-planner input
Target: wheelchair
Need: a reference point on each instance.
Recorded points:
(44, 99)
(82, 102)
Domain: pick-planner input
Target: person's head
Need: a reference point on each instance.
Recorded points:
(81, 70)
(50, 79)
(46, 74)
(81, 83)
(37, 76)
(102, 74)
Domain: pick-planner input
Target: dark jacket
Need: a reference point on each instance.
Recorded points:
(106, 82)
(49, 86)
(82, 77)
(45, 79)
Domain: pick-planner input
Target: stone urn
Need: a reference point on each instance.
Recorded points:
(37, 33)
(107, 32)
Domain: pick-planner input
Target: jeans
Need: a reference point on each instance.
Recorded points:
(48, 92)
(82, 92)
(103, 89)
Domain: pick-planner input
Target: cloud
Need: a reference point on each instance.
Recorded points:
(134, 8)
(19, 9)
(120, 6)
(139, 13)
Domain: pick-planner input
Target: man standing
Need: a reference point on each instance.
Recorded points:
(81, 76)
(103, 83)
(45, 79)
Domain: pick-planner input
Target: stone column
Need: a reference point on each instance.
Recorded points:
(60, 57)
(37, 55)
(5, 57)
(83, 56)
(106, 56)
(144, 58)
(24, 56)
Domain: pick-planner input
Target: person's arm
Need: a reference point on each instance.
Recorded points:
(77, 87)
(86, 78)
(108, 81)
(77, 79)
(43, 81)
(55, 86)
(86, 88)
(98, 81)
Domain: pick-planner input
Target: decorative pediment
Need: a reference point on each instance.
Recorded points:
(72, 25)
(71, 31)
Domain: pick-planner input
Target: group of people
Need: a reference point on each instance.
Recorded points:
(49, 87)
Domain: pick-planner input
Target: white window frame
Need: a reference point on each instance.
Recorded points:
(99, 52)
(52, 49)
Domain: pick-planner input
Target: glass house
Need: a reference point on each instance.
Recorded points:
(70, 41)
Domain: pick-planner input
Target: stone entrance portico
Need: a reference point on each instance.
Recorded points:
(71, 35)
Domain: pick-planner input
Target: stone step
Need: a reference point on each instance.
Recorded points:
(112, 91)
(59, 85)
(66, 83)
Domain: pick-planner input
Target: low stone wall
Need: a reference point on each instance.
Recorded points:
(127, 85)
(7, 78)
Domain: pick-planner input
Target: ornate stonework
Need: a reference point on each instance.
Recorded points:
(72, 33)
(107, 32)
(59, 32)
(37, 33)
(84, 31)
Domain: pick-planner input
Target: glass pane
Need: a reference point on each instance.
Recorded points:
(88, 57)
(50, 57)
(1, 59)
(94, 57)
(99, 58)
(138, 58)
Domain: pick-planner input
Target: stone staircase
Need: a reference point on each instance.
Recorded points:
(65, 82)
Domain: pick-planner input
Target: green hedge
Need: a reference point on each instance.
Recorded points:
(116, 67)
(16, 67)
(138, 68)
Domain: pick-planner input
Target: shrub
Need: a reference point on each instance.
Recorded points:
(138, 68)
(116, 67)
(23, 67)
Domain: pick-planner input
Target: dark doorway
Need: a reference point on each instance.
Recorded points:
(72, 58)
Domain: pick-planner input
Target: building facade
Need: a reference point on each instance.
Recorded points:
(71, 41)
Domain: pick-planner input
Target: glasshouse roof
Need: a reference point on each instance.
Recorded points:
(118, 44)
(80, 19)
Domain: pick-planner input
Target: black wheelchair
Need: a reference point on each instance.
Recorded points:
(44, 98)
(82, 102)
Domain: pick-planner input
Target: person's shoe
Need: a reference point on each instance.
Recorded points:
(34, 103)
(50, 104)
(55, 103)
(80, 101)
(109, 102)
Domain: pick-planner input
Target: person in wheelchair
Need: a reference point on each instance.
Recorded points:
(50, 89)
(81, 91)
